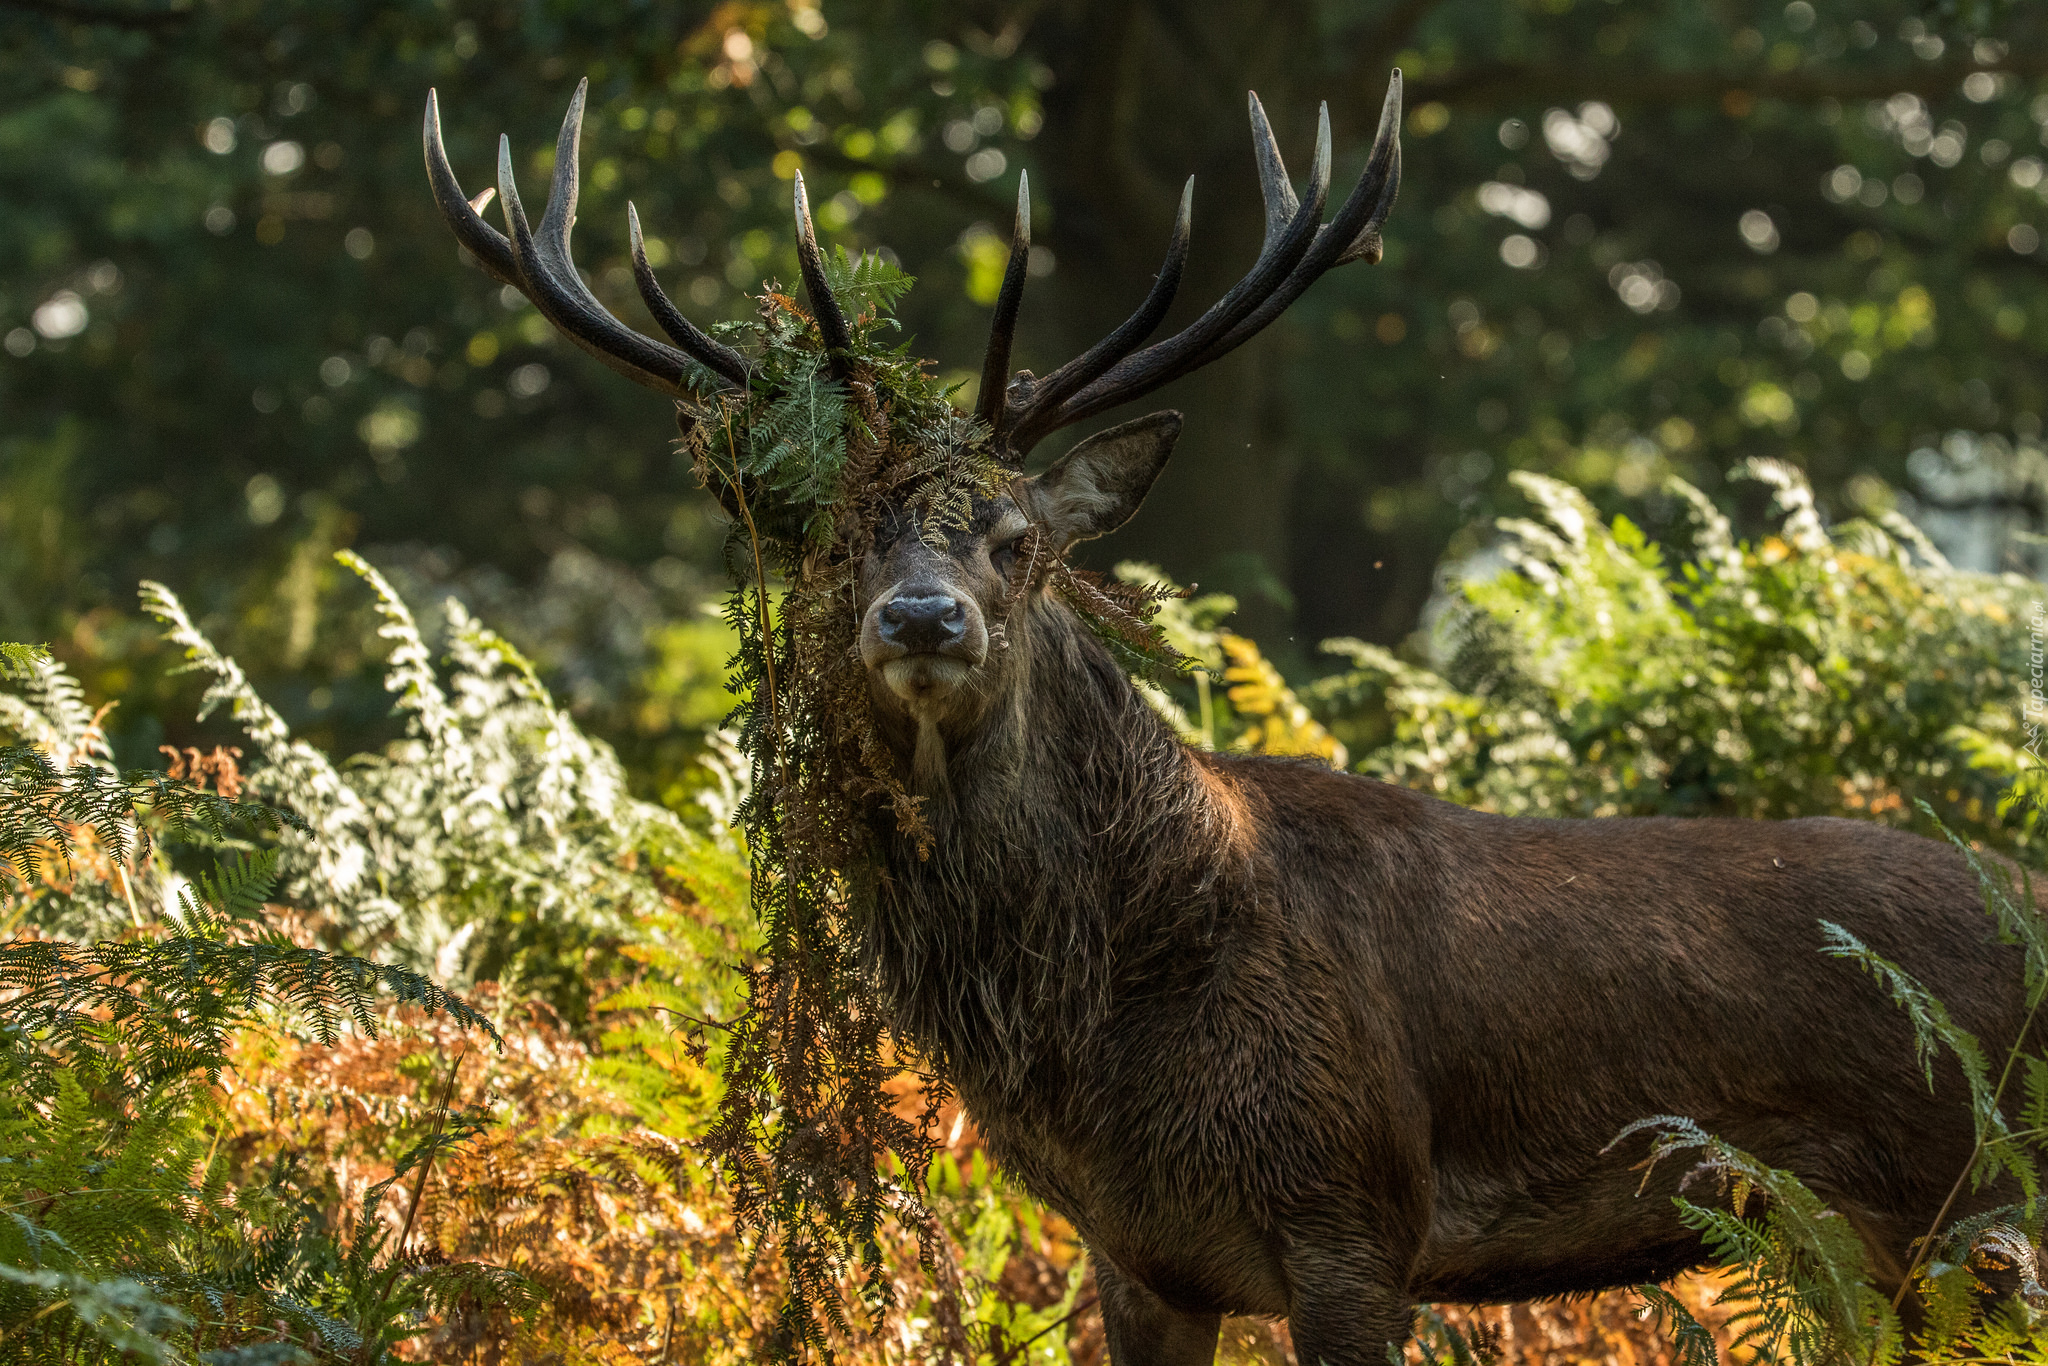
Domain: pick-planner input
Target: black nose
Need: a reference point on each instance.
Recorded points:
(923, 621)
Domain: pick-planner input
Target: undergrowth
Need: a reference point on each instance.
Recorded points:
(213, 991)
(127, 1234)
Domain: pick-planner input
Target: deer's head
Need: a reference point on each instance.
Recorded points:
(946, 615)
(944, 626)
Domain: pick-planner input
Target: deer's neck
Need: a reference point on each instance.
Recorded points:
(1076, 840)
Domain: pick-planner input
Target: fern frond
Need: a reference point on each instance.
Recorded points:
(410, 670)
(118, 1311)
(331, 852)
(41, 806)
(867, 282)
(54, 713)
(1692, 1343)
(236, 889)
(1933, 1030)
(796, 444)
(19, 663)
(1804, 1276)
(154, 1009)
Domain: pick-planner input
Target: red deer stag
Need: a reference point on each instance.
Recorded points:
(1284, 1041)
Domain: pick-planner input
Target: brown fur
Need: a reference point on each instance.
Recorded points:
(1284, 1041)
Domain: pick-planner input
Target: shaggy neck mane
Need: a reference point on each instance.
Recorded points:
(1078, 849)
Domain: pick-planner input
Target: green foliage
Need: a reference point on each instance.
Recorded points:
(122, 1230)
(121, 1313)
(1932, 1027)
(130, 1225)
(796, 444)
(1597, 674)
(990, 1223)
(1804, 1279)
(495, 836)
(41, 805)
(134, 1013)
(20, 663)
(1692, 1344)
(866, 283)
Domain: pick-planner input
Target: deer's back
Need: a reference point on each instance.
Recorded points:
(1432, 1021)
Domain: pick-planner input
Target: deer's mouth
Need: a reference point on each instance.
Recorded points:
(926, 678)
(922, 640)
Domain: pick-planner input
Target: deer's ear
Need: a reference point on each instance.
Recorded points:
(1094, 488)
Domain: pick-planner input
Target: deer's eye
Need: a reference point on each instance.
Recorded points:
(1003, 554)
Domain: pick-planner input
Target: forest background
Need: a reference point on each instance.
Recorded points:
(1632, 240)
(1635, 241)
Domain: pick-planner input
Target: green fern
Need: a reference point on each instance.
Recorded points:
(116, 1313)
(235, 890)
(495, 821)
(2008, 894)
(1691, 1341)
(796, 445)
(146, 1010)
(41, 806)
(866, 282)
(1933, 1028)
(19, 663)
(1803, 1277)
(114, 1200)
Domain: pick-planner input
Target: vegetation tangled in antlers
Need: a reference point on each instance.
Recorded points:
(816, 441)
(807, 462)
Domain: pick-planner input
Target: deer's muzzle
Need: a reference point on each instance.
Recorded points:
(925, 640)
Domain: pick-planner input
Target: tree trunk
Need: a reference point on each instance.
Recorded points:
(1146, 94)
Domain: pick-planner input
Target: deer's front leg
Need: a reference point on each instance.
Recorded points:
(1348, 1302)
(1143, 1330)
(1356, 1327)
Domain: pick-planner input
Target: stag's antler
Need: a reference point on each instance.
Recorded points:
(537, 264)
(1298, 248)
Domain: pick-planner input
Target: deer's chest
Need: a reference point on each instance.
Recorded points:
(1175, 1217)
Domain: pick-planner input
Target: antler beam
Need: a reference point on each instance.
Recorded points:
(539, 265)
(1298, 248)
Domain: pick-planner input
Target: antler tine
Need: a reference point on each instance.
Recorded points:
(464, 215)
(714, 355)
(547, 274)
(995, 366)
(1274, 186)
(1036, 401)
(1296, 250)
(1182, 352)
(1386, 149)
(831, 322)
(1353, 235)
